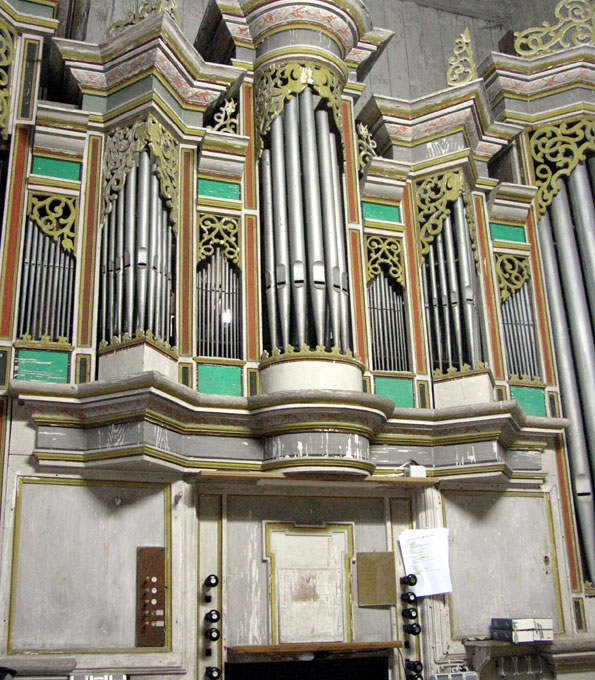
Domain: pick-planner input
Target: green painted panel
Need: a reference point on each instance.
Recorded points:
(507, 232)
(214, 189)
(400, 390)
(55, 167)
(225, 380)
(532, 399)
(43, 365)
(37, 9)
(381, 212)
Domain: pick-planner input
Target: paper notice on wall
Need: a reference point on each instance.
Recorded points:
(425, 554)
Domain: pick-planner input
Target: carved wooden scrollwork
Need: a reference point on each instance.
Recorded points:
(512, 272)
(218, 230)
(385, 251)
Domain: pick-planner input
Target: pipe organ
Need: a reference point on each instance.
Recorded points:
(303, 228)
(262, 324)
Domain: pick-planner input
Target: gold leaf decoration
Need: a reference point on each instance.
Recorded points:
(218, 230)
(556, 149)
(146, 8)
(432, 197)
(120, 147)
(512, 272)
(366, 147)
(7, 39)
(56, 216)
(385, 251)
(575, 26)
(276, 83)
(225, 120)
(462, 64)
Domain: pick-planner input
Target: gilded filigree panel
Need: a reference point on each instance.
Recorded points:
(575, 26)
(556, 149)
(225, 118)
(512, 272)
(56, 216)
(462, 64)
(7, 39)
(366, 147)
(219, 231)
(276, 83)
(385, 252)
(123, 143)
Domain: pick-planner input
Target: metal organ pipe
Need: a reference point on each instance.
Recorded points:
(575, 433)
(142, 234)
(581, 198)
(269, 246)
(453, 288)
(581, 334)
(130, 247)
(315, 248)
(296, 217)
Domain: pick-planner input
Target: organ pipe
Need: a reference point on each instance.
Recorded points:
(303, 239)
(137, 251)
(47, 287)
(575, 431)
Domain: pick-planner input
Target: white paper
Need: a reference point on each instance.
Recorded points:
(425, 554)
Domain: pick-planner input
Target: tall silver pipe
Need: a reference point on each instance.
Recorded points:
(577, 445)
(434, 301)
(142, 234)
(581, 198)
(111, 273)
(374, 326)
(444, 297)
(453, 288)
(341, 247)
(104, 246)
(329, 224)
(41, 328)
(387, 322)
(577, 311)
(282, 270)
(165, 264)
(154, 221)
(591, 162)
(527, 316)
(383, 336)
(467, 279)
(54, 306)
(25, 279)
(170, 300)
(514, 365)
(119, 263)
(70, 296)
(61, 293)
(314, 244)
(269, 246)
(518, 334)
(130, 249)
(297, 244)
(49, 284)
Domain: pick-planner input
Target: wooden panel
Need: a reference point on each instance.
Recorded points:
(376, 578)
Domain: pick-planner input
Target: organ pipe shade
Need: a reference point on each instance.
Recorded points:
(566, 241)
(519, 333)
(137, 262)
(219, 308)
(47, 287)
(386, 302)
(451, 295)
(305, 279)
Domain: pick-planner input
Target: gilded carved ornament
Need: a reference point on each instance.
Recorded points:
(218, 230)
(556, 149)
(575, 26)
(512, 272)
(6, 58)
(366, 147)
(121, 146)
(433, 197)
(56, 216)
(276, 83)
(144, 9)
(462, 65)
(226, 118)
(384, 251)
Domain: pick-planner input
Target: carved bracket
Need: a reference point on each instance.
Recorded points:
(556, 149)
(366, 147)
(120, 147)
(575, 26)
(385, 251)
(56, 216)
(462, 64)
(512, 272)
(226, 118)
(218, 230)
